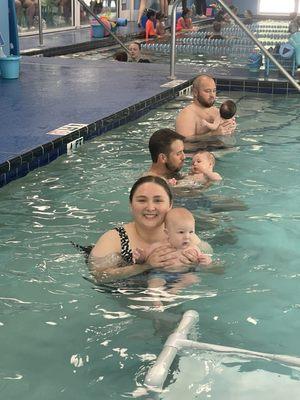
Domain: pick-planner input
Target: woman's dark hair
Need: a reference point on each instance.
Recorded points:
(160, 15)
(185, 12)
(153, 179)
(150, 13)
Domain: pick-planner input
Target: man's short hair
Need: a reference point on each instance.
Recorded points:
(197, 81)
(161, 141)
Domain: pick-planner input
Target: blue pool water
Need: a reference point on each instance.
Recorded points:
(60, 338)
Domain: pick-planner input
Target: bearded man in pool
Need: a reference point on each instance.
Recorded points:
(189, 122)
(167, 153)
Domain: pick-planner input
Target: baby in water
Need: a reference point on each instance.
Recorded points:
(180, 230)
(202, 172)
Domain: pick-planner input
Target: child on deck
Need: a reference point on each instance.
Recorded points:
(180, 229)
(184, 23)
(150, 30)
(160, 25)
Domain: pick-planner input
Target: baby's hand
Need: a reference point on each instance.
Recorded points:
(138, 256)
(204, 259)
(172, 181)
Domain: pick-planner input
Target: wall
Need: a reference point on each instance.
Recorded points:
(4, 28)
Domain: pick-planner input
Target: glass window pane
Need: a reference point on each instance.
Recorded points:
(276, 7)
(55, 14)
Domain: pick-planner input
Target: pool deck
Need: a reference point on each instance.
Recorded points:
(52, 92)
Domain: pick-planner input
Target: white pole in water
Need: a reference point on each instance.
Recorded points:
(157, 375)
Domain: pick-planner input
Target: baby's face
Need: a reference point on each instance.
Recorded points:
(201, 162)
(180, 233)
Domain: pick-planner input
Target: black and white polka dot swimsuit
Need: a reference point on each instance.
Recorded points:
(126, 252)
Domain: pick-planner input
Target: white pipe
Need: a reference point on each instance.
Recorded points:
(190, 344)
(157, 374)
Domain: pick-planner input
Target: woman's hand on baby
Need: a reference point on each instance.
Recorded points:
(162, 256)
(204, 259)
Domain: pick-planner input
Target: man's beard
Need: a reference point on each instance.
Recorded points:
(171, 169)
(205, 103)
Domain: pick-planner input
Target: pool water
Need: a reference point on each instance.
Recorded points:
(60, 338)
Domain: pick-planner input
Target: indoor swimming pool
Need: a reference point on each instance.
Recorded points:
(63, 338)
(194, 49)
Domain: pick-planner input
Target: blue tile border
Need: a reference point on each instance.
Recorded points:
(19, 166)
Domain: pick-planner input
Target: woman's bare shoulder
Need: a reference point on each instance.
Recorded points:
(108, 243)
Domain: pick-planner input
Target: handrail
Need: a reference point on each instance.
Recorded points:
(104, 26)
(173, 39)
(244, 28)
(41, 42)
(263, 49)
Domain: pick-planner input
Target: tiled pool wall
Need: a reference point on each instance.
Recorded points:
(21, 165)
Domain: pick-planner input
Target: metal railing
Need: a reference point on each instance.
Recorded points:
(89, 10)
(242, 26)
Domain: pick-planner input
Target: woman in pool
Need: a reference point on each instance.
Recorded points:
(111, 258)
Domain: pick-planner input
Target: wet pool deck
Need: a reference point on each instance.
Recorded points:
(52, 92)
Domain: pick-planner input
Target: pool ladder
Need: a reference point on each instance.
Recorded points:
(242, 26)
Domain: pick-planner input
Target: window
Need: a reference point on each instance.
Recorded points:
(276, 7)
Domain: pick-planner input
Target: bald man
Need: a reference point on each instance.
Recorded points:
(189, 120)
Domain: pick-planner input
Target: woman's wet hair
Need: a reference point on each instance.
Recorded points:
(151, 179)
(137, 43)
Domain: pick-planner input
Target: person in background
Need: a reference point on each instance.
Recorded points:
(294, 24)
(135, 53)
(160, 25)
(150, 30)
(200, 6)
(248, 20)
(189, 122)
(30, 7)
(103, 15)
(142, 8)
(184, 23)
(121, 55)
(216, 33)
